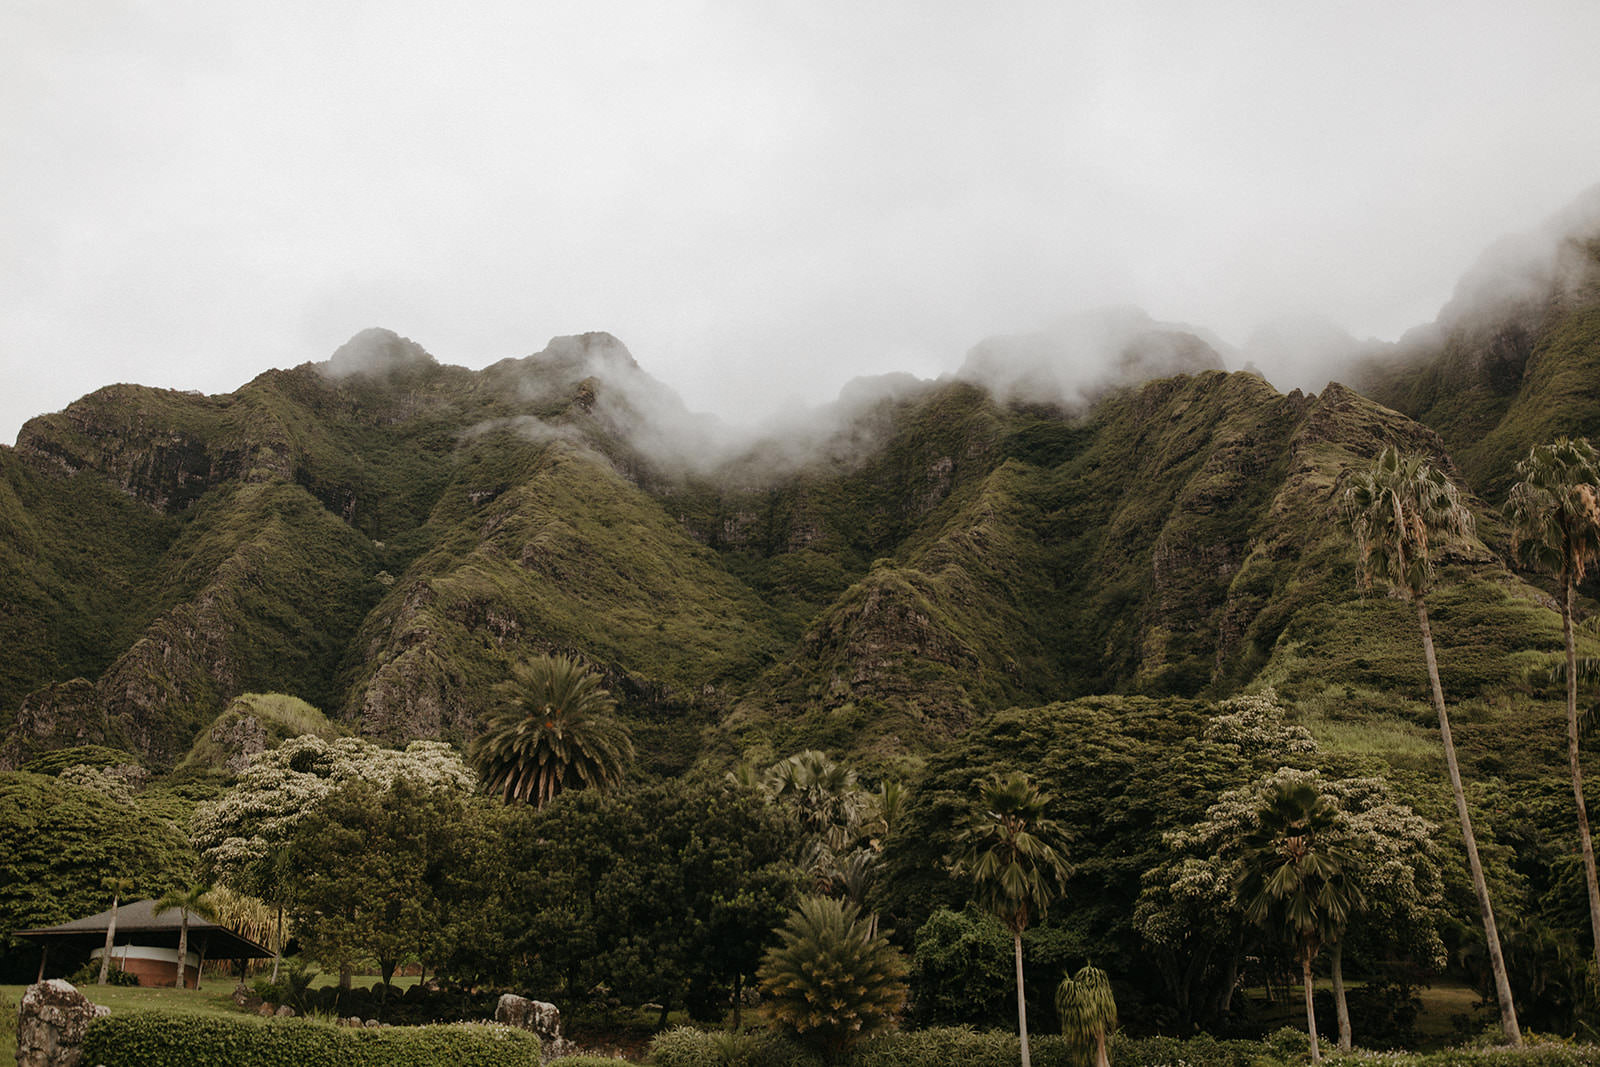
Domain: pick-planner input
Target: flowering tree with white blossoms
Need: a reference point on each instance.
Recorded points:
(241, 836)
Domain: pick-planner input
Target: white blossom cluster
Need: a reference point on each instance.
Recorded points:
(239, 833)
(1255, 723)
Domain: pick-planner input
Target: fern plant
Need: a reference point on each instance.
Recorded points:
(833, 980)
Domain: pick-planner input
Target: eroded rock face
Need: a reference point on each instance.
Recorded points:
(51, 1024)
(542, 1018)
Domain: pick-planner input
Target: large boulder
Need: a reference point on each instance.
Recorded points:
(51, 1023)
(542, 1018)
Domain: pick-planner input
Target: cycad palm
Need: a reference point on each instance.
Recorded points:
(552, 731)
(1009, 853)
(834, 979)
(1399, 511)
(1555, 516)
(1295, 880)
(191, 899)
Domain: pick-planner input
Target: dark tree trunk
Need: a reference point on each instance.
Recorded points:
(1311, 1012)
(1341, 1008)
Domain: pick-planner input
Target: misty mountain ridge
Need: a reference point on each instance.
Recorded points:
(1094, 507)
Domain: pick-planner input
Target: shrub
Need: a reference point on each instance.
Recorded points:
(1206, 1051)
(89, 974)
(684, 1046)
(155, 1039)
(960, 1046)
(833, 980)
(961, 970)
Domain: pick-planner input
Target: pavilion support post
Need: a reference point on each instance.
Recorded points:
(44, 954)
(200, 971)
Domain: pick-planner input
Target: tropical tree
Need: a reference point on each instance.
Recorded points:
(1294, 879)
(842, 825)
(553, 731)
(1555, 515)
(116, 885)
(1007, 851)
(834, 979)
(196, 898)
(1088, 1011)
(1400, 510)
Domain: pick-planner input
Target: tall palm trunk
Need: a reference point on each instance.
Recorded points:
(1022, 1002)
(111, 933)
(1497, 961)
(1341, 1008)
(1311, 1010)
(183, 944)
(277, 947)
(1584, 841)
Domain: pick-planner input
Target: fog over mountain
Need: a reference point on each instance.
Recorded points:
(763, 202)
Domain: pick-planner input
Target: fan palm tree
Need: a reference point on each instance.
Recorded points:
(195, 898)
(553, 731)
(1015, 868)
(1399, 510)
(1555, 515)
(1294, 879)
(117, 886)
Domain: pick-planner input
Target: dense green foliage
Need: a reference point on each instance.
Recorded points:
(56, 843)
(666, 893)
(961, 969)
(152, 1039)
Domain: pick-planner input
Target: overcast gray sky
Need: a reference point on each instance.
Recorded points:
(762, 199)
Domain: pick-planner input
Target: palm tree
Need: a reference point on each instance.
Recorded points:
(1294, 879)
(1555, 516)
(834, 813)
(116, 886)
(834, 979)
(554, 731)
(1015, 869)
(1087, 1011)
(1397, 511)
(194, 898)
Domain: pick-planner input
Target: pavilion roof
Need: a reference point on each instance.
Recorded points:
(139, 918)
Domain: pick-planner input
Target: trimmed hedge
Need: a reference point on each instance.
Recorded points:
(155, 1039)
(684, 1046)
(965, 1047)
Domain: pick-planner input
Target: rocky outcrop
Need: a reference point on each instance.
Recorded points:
(51, 1024)
(537, 1016)
(56, 716)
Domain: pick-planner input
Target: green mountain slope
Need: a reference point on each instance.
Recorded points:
(383, 536)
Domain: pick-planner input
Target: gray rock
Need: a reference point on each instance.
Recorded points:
(542, 1018)
(51, 1023)
(284, 1012)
